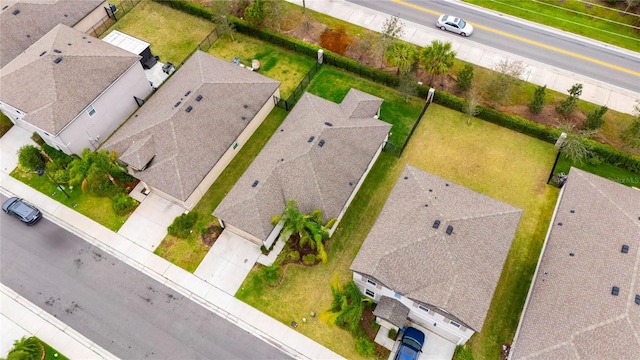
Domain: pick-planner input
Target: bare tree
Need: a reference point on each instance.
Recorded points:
(220, 12)
(408, 85)
(501, 81)
(573, 146)
(274, 13)
(472, 105)
(392, 30)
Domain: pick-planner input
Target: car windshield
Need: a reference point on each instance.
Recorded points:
(411, 343)
(462, 24)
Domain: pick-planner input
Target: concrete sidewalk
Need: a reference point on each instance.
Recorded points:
(594, 91)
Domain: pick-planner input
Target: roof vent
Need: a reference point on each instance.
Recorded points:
(16, 12)
(177, 104)
(199, 97)
(559, 224)
(446, 184)
(255, 183)
(625, 249)
(57, 51)
(187, 93)
(572, 211)
(637, 299)
(321, 143)
(311, 138)
(449, 229)
(615, 291)
(328, 123)
(4, 7)
(189, 108)
(436, 224)
(430, 190)
(42, 53)
(243, 117)
(406, 178)
(245, 106)
(572, 254)
(57, 60)
(350, 183)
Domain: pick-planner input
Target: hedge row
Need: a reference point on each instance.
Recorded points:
(608, 154)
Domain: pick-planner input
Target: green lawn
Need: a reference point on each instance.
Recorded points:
(558, 14)
(487, 158)
(601, 169)
(275, 62)
(173, 35)
(5, 124)
(51, 353)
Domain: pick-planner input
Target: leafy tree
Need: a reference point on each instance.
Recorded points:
(502, 80)
(254, 13)
(594, 118)
(631, 135)
(402, 55)
(392, 30)
(408, 86)
(308, 227)
(94, 172)
(26, 349)
(30, 158)
(574, 147)
(567, 105)
(537, 104)
(437, 58)
(347, 305)
(465, 76)
(220, 12)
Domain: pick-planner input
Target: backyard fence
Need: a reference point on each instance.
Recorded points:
(110, 18)
(299, 90)
(205, 44)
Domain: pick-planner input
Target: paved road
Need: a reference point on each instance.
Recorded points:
(113, 304)
(571, 53)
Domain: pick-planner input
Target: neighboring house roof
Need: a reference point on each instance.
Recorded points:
(51, 92)
(185, 146)
(316, 157)
(571, 312)
(392, 310)
(23, 22)
(457, 272)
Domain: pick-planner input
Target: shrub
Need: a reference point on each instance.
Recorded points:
(271, 274)
(37, 139)
(594, 118)
(336, 40)
(309, 259)
(393, 333)
(254, 13)
(30, 158)
(57, 172)
(189, 7)
(182, 225)
(536, 105)
(567, 105)
(365, 347)
(57, 156)
(465, 76)
(123, 204)
(293, 256)
(631, 135)
(26, 348)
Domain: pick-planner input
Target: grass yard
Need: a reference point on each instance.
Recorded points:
(607, 171)
(275, 62)
(188, 253)
(487, 158)
(51, 353)
(333, 84)
(553, 13)
(5, 124)
(173, 35)
(98, 209)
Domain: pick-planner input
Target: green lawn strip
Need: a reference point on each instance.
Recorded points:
(188, 253)
(607, 171)
(333, 84)
(5, 124)
(559, 18)
(277, 63)
(98, 209)
(173, 35)
(507, 166)
(49, 353)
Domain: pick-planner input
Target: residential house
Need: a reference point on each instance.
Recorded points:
(180, 140)
(319, 157)
(23, 22)
(584, 301)
(72, 89)
(434, 256)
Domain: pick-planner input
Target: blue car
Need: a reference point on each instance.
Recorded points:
(411, 344)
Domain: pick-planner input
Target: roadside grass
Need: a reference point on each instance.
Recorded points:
(98, 209)
(601, 169)
(173, 35)
(277, 63)
(51, 353)
(188, 253)
(5, 124)
(556, 14)
(333, 84)
(498, 162)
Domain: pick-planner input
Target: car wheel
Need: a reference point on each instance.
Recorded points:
(463, 34)
(442, 28)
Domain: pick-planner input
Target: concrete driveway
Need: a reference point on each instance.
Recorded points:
(435, 347)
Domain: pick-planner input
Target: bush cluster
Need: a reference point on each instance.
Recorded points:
(309, 259)
(123, 204)
(182, 225)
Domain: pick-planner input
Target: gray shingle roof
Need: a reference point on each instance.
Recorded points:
(571, 313)
(456, 272)
(52, 94)
(34, 19)
(187, 145)
(392, 310)
(294, 165)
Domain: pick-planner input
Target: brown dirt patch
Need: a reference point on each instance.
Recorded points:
(368, 324)
(211, 235)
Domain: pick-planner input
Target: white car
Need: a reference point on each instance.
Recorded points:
(454, 24)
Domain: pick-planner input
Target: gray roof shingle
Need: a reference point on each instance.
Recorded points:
(571, 313)
(457, 272)
(34, 19)
(185, 146)
(53, 94)
(294, 165)
(392, 310)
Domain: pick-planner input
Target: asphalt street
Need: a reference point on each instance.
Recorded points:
(121, 309)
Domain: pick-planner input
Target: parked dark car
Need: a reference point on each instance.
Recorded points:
(21, 209)
(410, 345)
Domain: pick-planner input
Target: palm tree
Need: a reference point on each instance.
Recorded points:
(308, 227)
(437, 59)
(26, 349)
(401, 55)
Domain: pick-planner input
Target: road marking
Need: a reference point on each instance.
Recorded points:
(531, 42)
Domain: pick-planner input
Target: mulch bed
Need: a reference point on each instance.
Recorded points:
(210, 237)
(368, 324)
